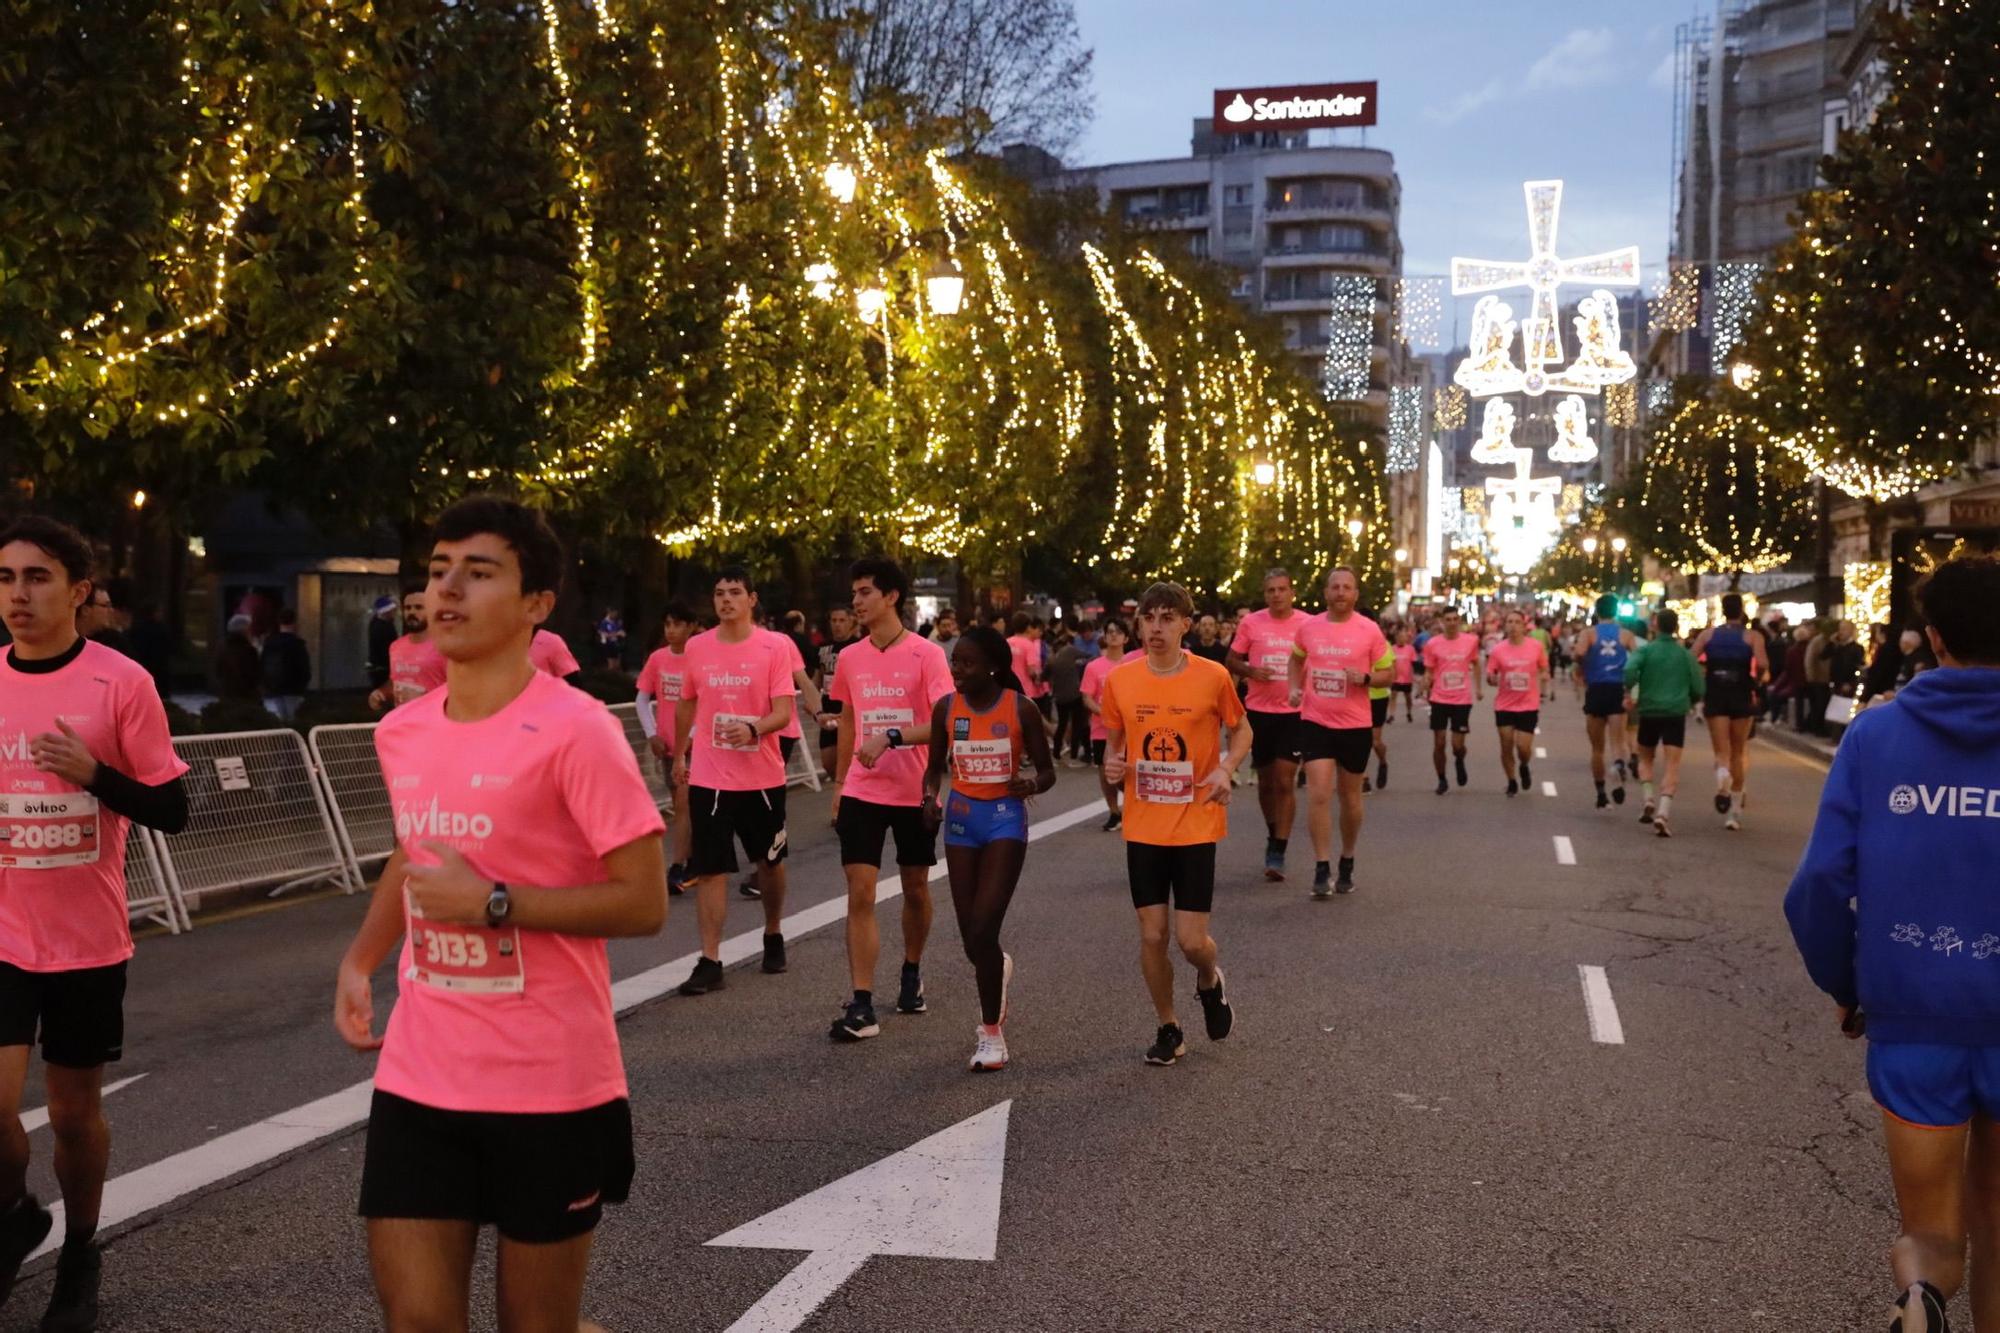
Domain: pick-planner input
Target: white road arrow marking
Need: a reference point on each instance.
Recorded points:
(35, 1119)
(938, 1199)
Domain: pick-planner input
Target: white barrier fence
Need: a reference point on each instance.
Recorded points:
(272, 809)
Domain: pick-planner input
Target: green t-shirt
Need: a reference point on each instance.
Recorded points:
(1665, 676)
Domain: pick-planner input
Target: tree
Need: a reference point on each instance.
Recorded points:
(1879, 356)
(1002, 71)
(1714, 496)
(1583, 562)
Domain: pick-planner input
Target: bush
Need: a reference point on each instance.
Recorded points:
(608, 684)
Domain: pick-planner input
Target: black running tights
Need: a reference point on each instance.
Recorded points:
(982, 885)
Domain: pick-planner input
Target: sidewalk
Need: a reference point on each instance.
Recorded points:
(1799, 742)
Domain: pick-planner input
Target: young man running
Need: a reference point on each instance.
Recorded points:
(1261, 654)
(1734, 659)
(551, 656)
(525, 839)
(1601, 652)
(1164, 715)
(888, 684)
(1101, 666)
(1339, 657)
(1663, 682)
(1516, 668)
(84, 752)
(1025, 643)
(415, 665)
(841, 632)
(1451, 683)
(1403, 684)
(661, 682)
(737, 696)
(1380, 714)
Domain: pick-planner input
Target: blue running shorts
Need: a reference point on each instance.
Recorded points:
(1934, 1087)
(971, 822)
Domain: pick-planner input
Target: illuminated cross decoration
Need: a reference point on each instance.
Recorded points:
(1523, 513)
(1544, 273)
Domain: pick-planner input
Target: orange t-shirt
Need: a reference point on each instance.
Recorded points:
(1172, 727)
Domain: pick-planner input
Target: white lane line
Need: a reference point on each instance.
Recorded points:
(160, 1183)
(1565, 852)
(1541, 752)
(1548, 789)
(35, 1119)
(1603, 1010)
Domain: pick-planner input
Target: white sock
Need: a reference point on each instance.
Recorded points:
(1721, 776)
(1665, 802)
(1736, 803)
(1647, 788)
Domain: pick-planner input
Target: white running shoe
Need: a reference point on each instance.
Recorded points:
(1734, 823)
(1006, 980)
(990, 1053)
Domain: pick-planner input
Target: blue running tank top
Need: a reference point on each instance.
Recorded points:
(1728, 650)
(1605, 664)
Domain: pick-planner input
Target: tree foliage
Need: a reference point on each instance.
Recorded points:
(1714, 495)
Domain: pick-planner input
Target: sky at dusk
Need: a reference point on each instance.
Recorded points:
(1476, 97)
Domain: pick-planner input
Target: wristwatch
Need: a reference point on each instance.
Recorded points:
(895, 735)
(498, 904)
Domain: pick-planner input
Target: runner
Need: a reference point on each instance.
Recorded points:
(1404, 683)
(1261, 655)
(525, 839)
(1734, 659)
(808, 703)
(840, 633)
(979, 736)
(86, 743)
(1164, 716)
(551, 655)
(1540, 634)
(888, 684)
(1336, 660)
(1025, 644)
(660, 682)
(1451, 681)
(416, 667)
(738, 695)
(1114, 639)
(1516, 667)
(1601, 652)
(1662, 681)
(1380, 715)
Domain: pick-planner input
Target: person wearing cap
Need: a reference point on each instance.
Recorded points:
(382, 631)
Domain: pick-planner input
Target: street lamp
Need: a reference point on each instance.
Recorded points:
(820, 278)
(840, 181)
(1264, 474)
(1618, 545)
(1402, 555)
(1354, 526)
(945, 288)
(138, 499)
(870, 302)
(1743, 374)
(1590, 546)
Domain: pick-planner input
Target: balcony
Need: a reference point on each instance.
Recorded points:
(1163, 220)
(1327, 209)
(1322, 253)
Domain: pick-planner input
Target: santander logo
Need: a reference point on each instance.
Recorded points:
(433, 821)
(1237, 111)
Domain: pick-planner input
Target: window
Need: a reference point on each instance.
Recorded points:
(1198, 244)
(1236, 194)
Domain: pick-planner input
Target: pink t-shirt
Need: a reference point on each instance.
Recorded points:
(62, 855)
(1093, 688)
(537, 795)
(415, 669)
(1512, 667)
(1028, 665)
(1406, 665)
(798, 663)
(1331, 650)
(549, 653)
(662, 677)
(736, 682)
(1266, 641)
(1450, 664)
(897, 686)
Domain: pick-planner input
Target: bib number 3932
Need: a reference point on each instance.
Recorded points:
(42, 832)
(471, 960)
(982, 761)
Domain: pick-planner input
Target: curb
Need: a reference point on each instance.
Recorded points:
(1812, 747)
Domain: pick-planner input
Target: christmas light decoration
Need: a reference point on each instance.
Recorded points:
(1495, 445)
(1522, 514)
(1733, 301)
(1420, 311)
(1406, 427)
(1621, 405)
(1677, 299)
(1449, 409)
(1350, 320)
(1573, 443)
(1867, 583)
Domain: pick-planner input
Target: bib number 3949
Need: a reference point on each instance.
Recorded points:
(42, 832)
(471, 960)
(1164, 782)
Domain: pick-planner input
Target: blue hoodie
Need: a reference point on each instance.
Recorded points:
(1909, 831)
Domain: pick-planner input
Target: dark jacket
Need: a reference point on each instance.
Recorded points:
(238, 673)
(287, 664)
(381, 633)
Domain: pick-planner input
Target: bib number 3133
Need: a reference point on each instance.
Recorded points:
(41, 832)
(471, 960)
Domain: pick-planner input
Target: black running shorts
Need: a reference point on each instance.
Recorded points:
(1273, 738)
(80, 1014)
(1518, 721)
(863, 826)
(1183, 875)
(1604, 699)
(1378, 709)
(1456, 716)
(1729, 693)
(1097, 752)
(1347, 746)
(786, 745)
(539, 1178)
(722, 819)
(1663, 731)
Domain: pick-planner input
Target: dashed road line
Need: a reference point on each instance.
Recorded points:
(35, 1119)
(1565, 851)
(1605, 1029)
(1548, 789)
(1541, 752)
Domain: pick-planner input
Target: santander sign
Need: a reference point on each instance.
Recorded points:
(1302, 106)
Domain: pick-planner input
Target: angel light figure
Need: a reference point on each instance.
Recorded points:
(1573, 443)
(1496, 434)
(1599, 359)
(1490, 368)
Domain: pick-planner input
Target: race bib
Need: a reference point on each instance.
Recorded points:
(1517, 680)
(471, 960)
(875, 721)
(723, 721)
(1328, 683)
(1276, 663)
(39, 831)
(982, 761)
(1163, 782)
(1452, 680)
(670, 689)
(407, 691)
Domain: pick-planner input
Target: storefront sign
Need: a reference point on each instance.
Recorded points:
(1305, 106)
(1975, 513)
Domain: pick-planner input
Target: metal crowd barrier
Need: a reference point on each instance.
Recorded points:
(150, 893)
(653, 770)
(256, 817)
(345, 755)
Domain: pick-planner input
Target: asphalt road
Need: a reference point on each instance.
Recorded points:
(1413, 1126)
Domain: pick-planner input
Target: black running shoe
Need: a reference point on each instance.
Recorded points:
(774, 954)
(1459, 760)
(707, 976)
(1366, 786)
(748, 887)
(676, 880)
(910, 998)
(73, 1304)
(1111, 822)
(1722, 803)
(1382, 774)
(22, 1229)
(1322, 881)
(1622, 774)
(1603, 801)
(1216, 1014)
(1513, 787)
(1527, 778)
(1274, 861)
(856, 1023)
(1443, 786)
(1344, 881)
(1169, 1046)
(1920, 1310)
(1618, 794)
